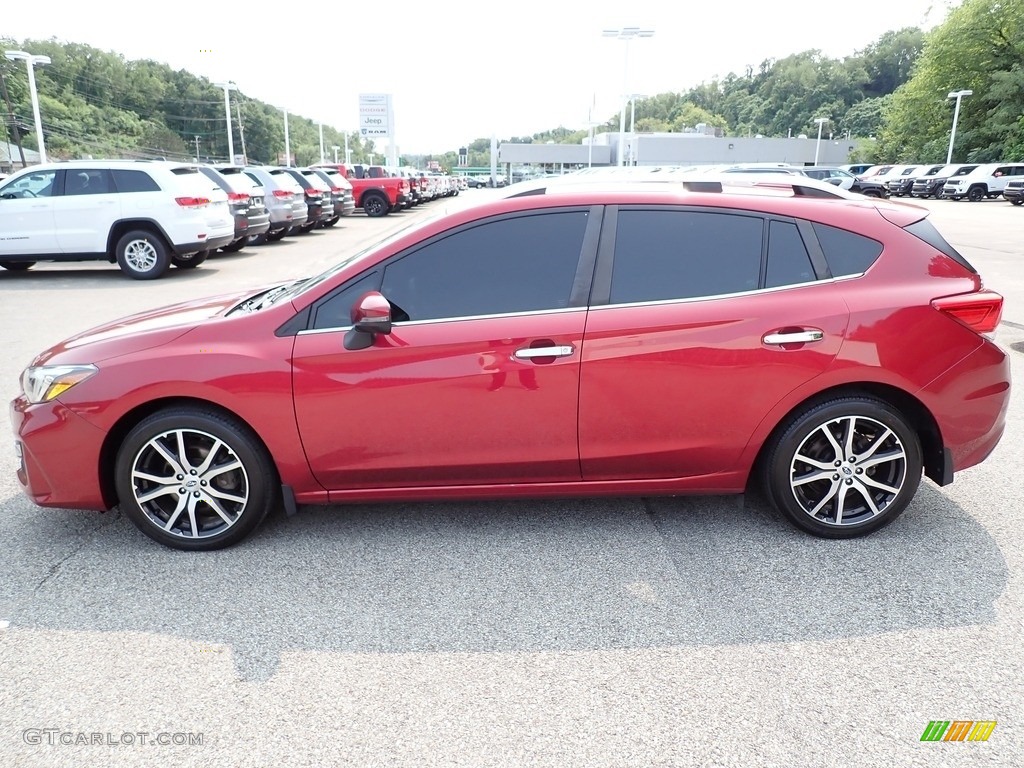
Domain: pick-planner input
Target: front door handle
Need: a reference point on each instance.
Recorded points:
(528, 353)
(794, 337)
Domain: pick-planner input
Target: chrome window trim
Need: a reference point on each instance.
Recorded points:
(435, 321)
(715, 297)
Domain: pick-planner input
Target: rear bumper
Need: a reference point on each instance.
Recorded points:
(209, 244)
(969, 403)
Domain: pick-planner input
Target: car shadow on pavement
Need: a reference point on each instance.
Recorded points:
(523, 576)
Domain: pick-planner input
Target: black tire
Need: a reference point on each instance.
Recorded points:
(245, 493)
(879, 430)
(273, 237)
(872, 193)
(307, 227)
(375, 204)
(191, 261)
(142, 255)
(259, 239)
(1017, 201)
(18, 266)
(974, 194)
(236, 246)
(330, 222)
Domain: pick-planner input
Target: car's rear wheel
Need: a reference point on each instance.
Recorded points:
(190, 261)
(142, 255)
(843, 468)
(194, 479)
(277, 234)
(259, 239)
(375, 205)
(331, 222)
(21, 266)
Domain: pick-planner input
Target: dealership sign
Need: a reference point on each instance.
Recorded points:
(375, 115)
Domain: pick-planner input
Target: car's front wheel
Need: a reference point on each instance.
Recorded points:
(194, 479)
(843, 468)
(142, 255)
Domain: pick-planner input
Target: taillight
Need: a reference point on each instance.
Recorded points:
(979, 311)
(282, 194)
(192, 202)
(336, 190)
(312, 193)
(238, 197)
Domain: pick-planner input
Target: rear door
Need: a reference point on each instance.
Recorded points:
(701, 322)
(86, 210)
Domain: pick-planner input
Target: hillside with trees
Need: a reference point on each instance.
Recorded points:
(889, 98)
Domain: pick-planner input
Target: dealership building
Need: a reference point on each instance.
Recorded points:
(695, 148)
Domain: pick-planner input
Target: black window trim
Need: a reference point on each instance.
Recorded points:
(579, 295)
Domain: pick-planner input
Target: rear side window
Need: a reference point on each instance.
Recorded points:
(847, 253)
(788, 261)
(926, 231)
(673, 254)
(134, 181)
(87, 181)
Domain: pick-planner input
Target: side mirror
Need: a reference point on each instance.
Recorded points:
(370, 315)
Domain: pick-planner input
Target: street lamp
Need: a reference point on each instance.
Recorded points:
(287, 144)
(228, 86)
(632, 125)
(956, 115)
(335, 147)
(30, 62)
(591, 124)
(817, 147)
(321, 125)
(626, 34)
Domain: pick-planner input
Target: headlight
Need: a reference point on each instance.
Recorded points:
(45, 382)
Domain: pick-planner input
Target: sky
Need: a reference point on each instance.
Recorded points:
(459, 70)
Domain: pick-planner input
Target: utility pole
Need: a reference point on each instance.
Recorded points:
(13, 120)
(241, 131)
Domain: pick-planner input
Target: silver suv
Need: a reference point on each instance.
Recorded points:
(142, 215)
(283, 196)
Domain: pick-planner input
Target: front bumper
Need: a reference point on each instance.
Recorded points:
(60, 451)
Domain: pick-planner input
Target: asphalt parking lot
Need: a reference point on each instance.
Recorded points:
(696, 631)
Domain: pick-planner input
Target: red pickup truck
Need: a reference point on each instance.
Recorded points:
(377, 197)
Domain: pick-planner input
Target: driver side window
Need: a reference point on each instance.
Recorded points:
(34, 185)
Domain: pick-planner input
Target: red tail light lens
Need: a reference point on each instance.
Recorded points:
(192, 202)
(238, 197)
(283, 194)
(336, 189)
(312, 193)
(979, 311)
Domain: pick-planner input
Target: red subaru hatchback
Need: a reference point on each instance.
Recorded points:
(615, 340)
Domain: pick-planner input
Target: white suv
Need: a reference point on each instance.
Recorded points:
(988, 180)
(143, 215)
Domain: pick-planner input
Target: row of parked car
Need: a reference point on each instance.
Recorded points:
(147, 216)
(971, 181)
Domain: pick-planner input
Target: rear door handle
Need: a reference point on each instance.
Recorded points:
(528, 353)
(794, 337)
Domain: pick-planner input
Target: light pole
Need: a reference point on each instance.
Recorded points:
(625, 34)
(335, 147)
(956, 115)
(287, 144)
(591, 124)
(197, 149)
(632, 125)
(321, 125)
(30, 62)
(817, 147)
(228, 87)
(348, 153)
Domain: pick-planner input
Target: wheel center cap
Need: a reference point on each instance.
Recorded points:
(847, 471)
(193, 483)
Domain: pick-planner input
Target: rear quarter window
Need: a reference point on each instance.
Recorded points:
(134, 181)
(847, 253)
